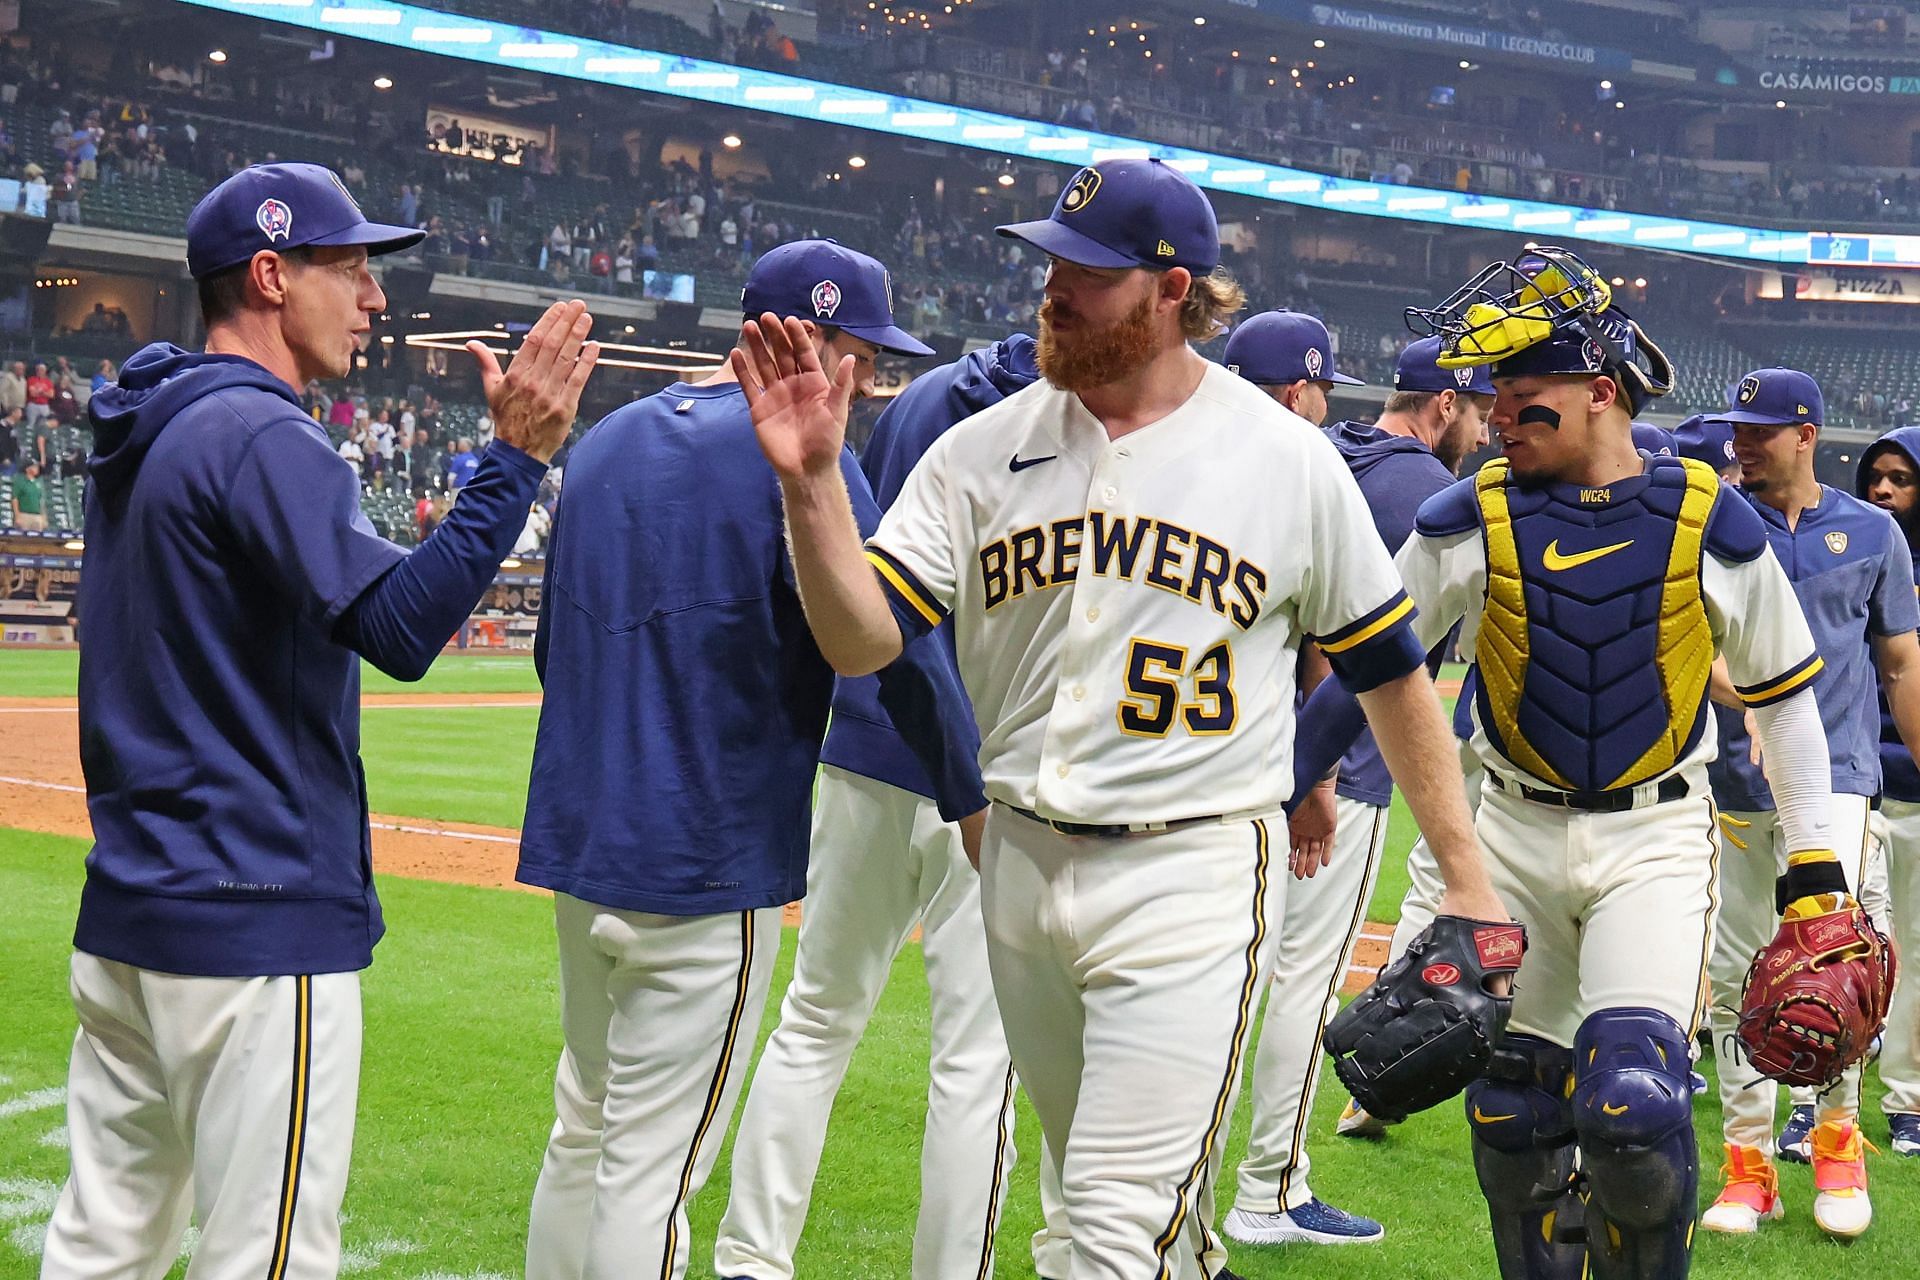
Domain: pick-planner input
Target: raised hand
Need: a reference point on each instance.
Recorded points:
(799, 414)
(535, 402)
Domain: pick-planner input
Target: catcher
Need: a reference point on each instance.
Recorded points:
(1594, 585)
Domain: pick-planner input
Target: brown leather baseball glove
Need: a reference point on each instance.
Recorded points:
(1816, 995)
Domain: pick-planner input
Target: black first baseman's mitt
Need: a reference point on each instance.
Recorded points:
(1428, 1025)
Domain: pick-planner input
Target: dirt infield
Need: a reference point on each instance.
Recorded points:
(41, 789)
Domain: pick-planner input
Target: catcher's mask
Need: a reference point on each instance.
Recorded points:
(1545, 312)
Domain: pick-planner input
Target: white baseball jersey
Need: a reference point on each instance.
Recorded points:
(1127, 612)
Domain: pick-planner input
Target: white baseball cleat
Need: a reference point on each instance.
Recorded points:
(1315, 1222)
(1841, 1208)
(1355, 1122)
(1751, 1196)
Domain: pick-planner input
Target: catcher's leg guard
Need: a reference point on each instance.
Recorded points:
(1633, 1111)
(1523, 1148)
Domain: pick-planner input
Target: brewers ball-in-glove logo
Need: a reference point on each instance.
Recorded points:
(825, 298)
(1080, 190)
(1314, 360)
(274, 219)
(1836, 542)
(1749, 388)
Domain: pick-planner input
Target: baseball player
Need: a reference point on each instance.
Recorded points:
(1853, 573)
(1132, 549)
(231, 587)
(1431, 422)
(679, 736)
(1593, 584)
(1292, 353)
(1889, 477)
(883, 861)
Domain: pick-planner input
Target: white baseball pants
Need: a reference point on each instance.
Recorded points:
(1318, 931)
(1126, 971)
(1898, 823)
(227, 1101)
(1618, 906)
(659, 1015)
(882, 861)
(1748, 920)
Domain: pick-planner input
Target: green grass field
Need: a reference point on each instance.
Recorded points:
(461, 1037)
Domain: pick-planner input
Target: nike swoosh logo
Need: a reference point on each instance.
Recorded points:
(1021, 464)
(1481, 1117)
(1614, 1111)
(1555, 562)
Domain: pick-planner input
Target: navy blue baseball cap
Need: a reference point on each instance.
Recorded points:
(282, 206)
(1648, 438)
(1128, 213)
(1568, 350)
(830, 284)
(1279, 348)
(1774, 398)
(1707, 440)
(1419, 370)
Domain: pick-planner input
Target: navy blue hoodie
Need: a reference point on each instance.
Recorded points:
(219, 708)
(1899, 779)
(1396, 474)
(861, 739)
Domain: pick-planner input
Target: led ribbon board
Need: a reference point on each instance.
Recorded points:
(522, 48)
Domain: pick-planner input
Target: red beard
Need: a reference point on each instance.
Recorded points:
(1084, 359)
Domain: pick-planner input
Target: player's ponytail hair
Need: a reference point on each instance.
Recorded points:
(1212, 301)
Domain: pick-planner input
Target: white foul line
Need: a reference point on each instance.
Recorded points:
(44, 786)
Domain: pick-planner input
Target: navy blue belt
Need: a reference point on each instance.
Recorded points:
(1111, 830)
(1672, 787)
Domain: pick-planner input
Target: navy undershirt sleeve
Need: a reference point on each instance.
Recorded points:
(401, 622)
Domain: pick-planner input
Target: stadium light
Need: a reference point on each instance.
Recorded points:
(731, 141)
(1606, 84)
(1005, 179)
(383, 83)
(1639, 282)
(1319, 44)
(1780, 102)
(856, 162)
(1619, 104)
(217, 55)
(1465, 65)
(1199, 22)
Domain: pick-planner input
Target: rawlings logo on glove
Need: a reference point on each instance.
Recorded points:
(1430, 1022)
(1816, 995)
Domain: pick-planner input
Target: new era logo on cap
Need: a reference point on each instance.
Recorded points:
(1164, 250)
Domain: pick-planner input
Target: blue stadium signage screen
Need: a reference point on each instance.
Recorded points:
(500, 44)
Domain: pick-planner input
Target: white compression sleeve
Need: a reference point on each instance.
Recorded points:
(1799, 769)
